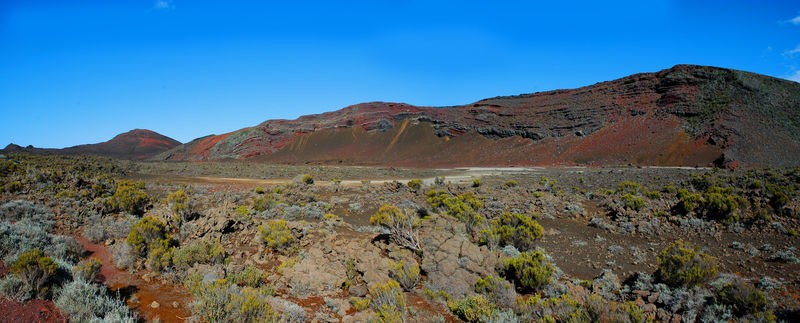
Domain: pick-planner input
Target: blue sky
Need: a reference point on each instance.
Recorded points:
(82, 71)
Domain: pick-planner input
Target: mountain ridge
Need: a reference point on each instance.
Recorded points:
(136, 144)
(687, 115)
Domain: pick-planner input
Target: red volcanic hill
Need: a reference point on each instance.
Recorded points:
(683, 116)
(136, 144)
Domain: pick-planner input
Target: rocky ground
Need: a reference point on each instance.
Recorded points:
(333, 259)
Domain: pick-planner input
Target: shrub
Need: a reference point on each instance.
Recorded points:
(82, 301)
(87, 270)
(529, 271)
(35, 270)
(402, 225)
(498, 290)
(259, 190)
(687, 202)
(249, 276)
(219, 301)
(180, 203)
(462, 207)
(406, 273)
(629, 187)
(307, 179)
(99, 229)
(359, 304)
(473, 309)
(742, 297)
(653, 195)
(147, 232)
(720, 204)
(260, 204)
(11, 287)
(510, 183)
(277, 235)
(388, 301)
(19, 210)
(415, 184)
(199, 251)
(519, 230)
(476, 182)
(633, 202)
(124, 255)
(130, 197)
(684, 265)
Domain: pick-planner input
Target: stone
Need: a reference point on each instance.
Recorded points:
(155, 304)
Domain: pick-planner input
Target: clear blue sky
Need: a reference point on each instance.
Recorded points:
(82, 71)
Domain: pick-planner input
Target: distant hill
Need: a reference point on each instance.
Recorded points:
(137, 144)
(683, 116)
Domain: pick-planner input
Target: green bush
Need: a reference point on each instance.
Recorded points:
(402, 225)
(476, 182)
(742, 297)
(388, 301)
(688, 202)
(307, 179)
(684, 265)
(199, 251)
(529, 271)
(219, 301)
(249, 276)
(497, 290)
(35, 270)
(178, 202)
(259, 190)
(87, 270)
(415, 184)
(406, 273)
(462, 207)
(129, 196)
(633, 202)
(277, 235)
(260, 204)
(473, 309)
(629, 187)
(519, 230)
(720, 204)
(359, 304)
(510, 183)
(148, 231)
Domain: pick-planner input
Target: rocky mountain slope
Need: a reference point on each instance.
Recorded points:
(683, 116)
(136, 144)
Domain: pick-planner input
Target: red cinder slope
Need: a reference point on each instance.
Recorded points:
(684, 116)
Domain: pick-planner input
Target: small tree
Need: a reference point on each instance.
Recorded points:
(35, 269)
(388, 301)
(402, 225)
(684, 265)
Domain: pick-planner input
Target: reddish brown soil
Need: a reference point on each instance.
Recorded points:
(36, 310)
(131, 286)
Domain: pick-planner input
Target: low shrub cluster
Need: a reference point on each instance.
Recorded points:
(277, 236)
(682, 264)
(149, 239)
(406, 273)
(401, 224)
(388, 301)
(130, 197)
(529, 271)
(519, 230)
(198, 252)
(463, 207)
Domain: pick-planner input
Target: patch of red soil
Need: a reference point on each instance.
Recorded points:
(36, 310)
(130, 286)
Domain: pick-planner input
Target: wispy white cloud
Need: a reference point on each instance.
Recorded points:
(794, 76)
(164, 5)
(795, 20)
(792, 52)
